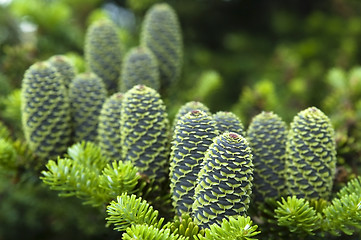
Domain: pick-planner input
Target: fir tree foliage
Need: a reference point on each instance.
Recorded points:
(224, 183)
(267, 136)
(4, 131)
(228, 122)
(161, 33)
(45, 111)
(87, 94)
(185, 226)
(64, 67)
(146, 232)
(139, 67)
(353, 186)
(8, 155)
(234, 228)
(340, 216)
(88, 175)
(298, 216)
(11, 113)
(109, 127)
(137, 219)
(102, 51)
(311, 151)
(343, 106)
(268, 224)
(193, 135)
(144, 127)
(344, 213)
(14, 153)
(129, 210)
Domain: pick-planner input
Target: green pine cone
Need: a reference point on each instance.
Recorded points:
(228, 122)
(45, 107)
(267, 136)
(161, 33)
(144, 129)
(139, 67)
(87, 94)
(64, 67)
(224, 181)
(109, 127)
(311, 155)
(102, 52)
(188, 107)
(193, 134)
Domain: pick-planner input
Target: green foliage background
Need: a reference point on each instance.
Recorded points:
(242, 56)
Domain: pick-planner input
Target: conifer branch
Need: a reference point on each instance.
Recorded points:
(7, 155)
(344, 214)
(185, 226)
(118, 175)
(14, 154)
(89, 176)
(235, 228)
(88, 154)
(11, 113)
(353, 186)
(129, 210)
(147, 232)
(4, 131)
(298, 216)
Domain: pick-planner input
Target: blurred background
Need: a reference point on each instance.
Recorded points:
(242, 56)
